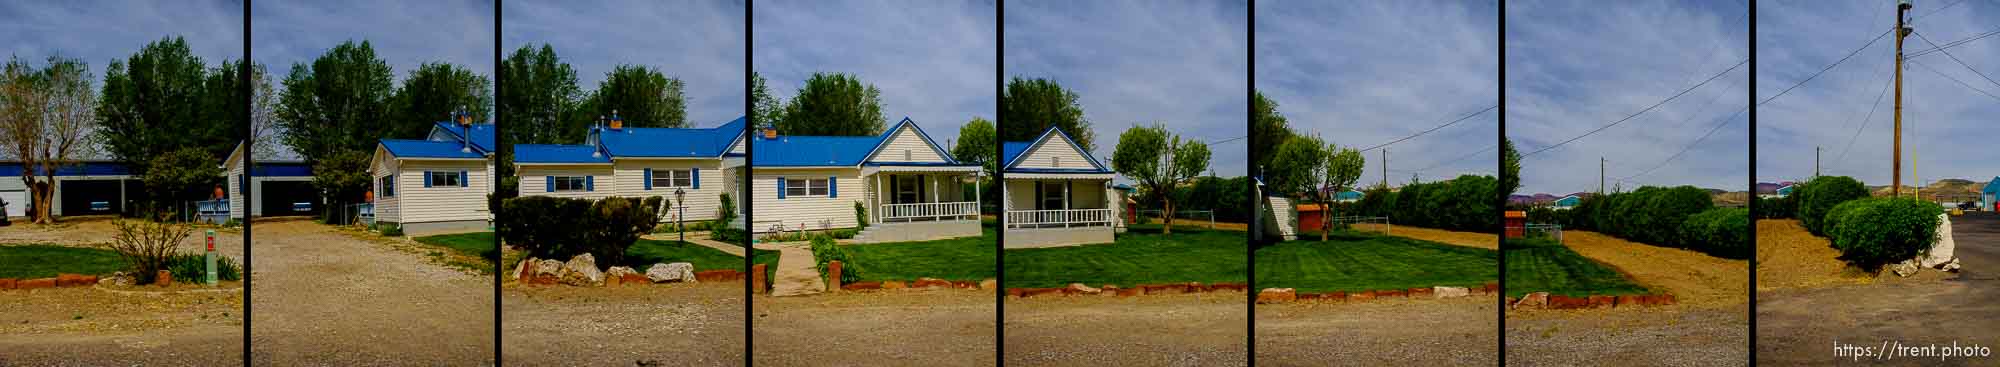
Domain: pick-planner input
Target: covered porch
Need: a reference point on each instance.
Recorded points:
(905, 194)
(1044, 209)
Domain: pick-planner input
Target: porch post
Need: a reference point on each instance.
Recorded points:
(878, 198)
(977, 196)
(934, 195)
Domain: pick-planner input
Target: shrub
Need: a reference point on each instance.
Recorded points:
(1720, 232)
(1819, 196)
(860, 215)
(824, 250)
(725, 212)
(1876, 231)
(1459, 204)
(1543, 214)
(149, 245)
(729, 235)
(560, 228)
(193, 267)
(1376, 202)
(392, 229)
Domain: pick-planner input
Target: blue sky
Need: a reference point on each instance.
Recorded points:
(99, 31)
(1573, 66)
(404, 33)
(1181, 63)
(1947, 128)
(1366, 73)
(932, 60)
(700, 42)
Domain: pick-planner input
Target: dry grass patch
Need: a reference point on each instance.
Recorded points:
(1790, 257)
(1696, 279)
(1488, 241)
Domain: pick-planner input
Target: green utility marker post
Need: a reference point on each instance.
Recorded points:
(211, 258)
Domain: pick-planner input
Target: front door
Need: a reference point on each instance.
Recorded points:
(908, 189)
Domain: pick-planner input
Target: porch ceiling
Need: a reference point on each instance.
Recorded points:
(1058, 176)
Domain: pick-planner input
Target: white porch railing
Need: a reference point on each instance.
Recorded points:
(1059, 218)
(929, 211)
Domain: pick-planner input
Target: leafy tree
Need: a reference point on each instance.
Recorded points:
(1343, 168)
(44, 115)
(640, 95)
(834, 104)
(264, 134)
(183, 174)
(976, 144)
(1029, 106)
(1268, 130)
(764, 108)
(331, 113)
(164, 98)
(432, 93)
(1296, 167)
(1510, 170)
(537, 104)
(1160, 161)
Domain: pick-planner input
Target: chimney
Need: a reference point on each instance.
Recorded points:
(770, 132)
(616, 123)
(464, 129)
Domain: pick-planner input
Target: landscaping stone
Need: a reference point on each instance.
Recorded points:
(1390, 293)
(1361, 296)
(1451, 292)
(724, 275)
(35, 283)
(611, 281)
(6, 283)
(164, 278)
(1079, 288)
(931, 283)
(1601, 301)
(1239, 287)
(1034, 292)
(1905, 268)
(1424, 292)
(87, 281)
(523, 270)
(1627, 301)
(1016, 292)
(671, 272)
(865, 286)
(757, 278)
(964, 284)
(833, 275)
(1336, 296)
(1194, 287)
(1131, 292)
(989, 283)
(1303, 297)
(117, 279)
(1490, 287)
(547, 272)
(582, 271)
(894, 284)
(1165, 288)
(1110, 290)
(1561, 302)
(68, 280)
(1533, 300)
(1277, 295)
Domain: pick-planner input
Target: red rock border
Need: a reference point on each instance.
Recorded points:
(1288, 295)
(1544, 300)
(1078, 289)
(64, 280)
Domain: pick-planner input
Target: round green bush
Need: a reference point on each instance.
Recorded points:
(1721, 232)
(1818, 197)
(1873, 232)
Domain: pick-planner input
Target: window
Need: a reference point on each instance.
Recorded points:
(570, 183)
(906, 189)
(673, 178)
(388, 184)
(1052, 195)
(446, 178)
(805, 187)
(1055, 161)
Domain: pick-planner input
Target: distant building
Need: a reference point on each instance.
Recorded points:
(1987, 195)
(1567, 202)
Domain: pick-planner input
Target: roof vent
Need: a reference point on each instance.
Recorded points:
(616, 122)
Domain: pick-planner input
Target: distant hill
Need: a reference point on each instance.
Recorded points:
(1950, 189)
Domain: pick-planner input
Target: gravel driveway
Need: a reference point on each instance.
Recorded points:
(1202, 329)
(325, 296)
(1428, 332)
(90, 326)
(945, 327)
(679, 324)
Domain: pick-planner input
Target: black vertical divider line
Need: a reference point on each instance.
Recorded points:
(999, 251)
(749, 174)
(1250, 247)
(1500, 163)
(243, 79)
(501, 150)
(1750, 39)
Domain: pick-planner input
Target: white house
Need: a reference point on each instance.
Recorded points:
(909, 187)
(282, 185)
(438, 184)
(697, 165)
(1056, 193)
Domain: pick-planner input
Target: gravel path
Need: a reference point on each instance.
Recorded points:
(798, 272)
(944, 327)
(99, 232)
(1203, 329)
(322, 295)
(132, 326)
(1449, 332)
(679, 324)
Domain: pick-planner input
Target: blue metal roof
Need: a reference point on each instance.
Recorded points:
(1992, 187)
(282, 170)
(669, 142)
(482, 134)
(1012, 151)
(551, 153)
(1348, 195)
(812, 151)
(403, 148)
(13, 169)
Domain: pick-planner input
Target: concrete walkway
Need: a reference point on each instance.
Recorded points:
(701, 238)
(798, 273)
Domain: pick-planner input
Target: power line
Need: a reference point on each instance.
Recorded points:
(1955, 80)
(1954, 58)
(1691, 145)
(1455, 160)
(1935, 11)
(1421, 133)
(1951, 44)
(1712, 78)
(1219, 142)
(1815, 75)
(1864, 122)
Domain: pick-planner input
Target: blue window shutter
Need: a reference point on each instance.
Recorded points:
(464, 179)
(427, 178)
(781, 187)
(589, 183)
(551, 182)
(697, 178)
(832, 187)
(649, 179)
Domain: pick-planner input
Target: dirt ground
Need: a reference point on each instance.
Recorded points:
(877, 328)
(1488, 241)
(1790, 257)
(321, 295)
(1449, 332)
(677, 324)
(1202, 329)
(184, 325)
(1707, 327)
(1800, 325)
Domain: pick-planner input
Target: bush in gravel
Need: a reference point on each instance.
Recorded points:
(825, 250)
(392, 230)
(194, 267)
(149, 245)
(1876, 231)
(1817, 198)
(561, 228)
(1719, 232)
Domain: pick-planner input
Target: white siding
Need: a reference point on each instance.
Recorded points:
(1083, 194)
(1056, 152)
(421, 204)
(702, 204)
(387, 209)
(795, 210)
(534, 180)
(236, 193)
(736, 146)
(907, 146)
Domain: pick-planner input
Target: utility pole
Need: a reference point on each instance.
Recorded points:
(1385, 167)
(1600, 175)
(1815, 161)
(1896, 179)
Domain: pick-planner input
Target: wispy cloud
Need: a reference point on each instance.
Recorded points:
(1946, 126)
(1573, 66)
(1366, 73)
(100, 31)
(404, 33)
(700, 42)
(1181, 63)
(933, 60)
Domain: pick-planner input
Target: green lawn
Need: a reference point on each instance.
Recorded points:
(645, 253)
(968, 258)
(475, 244)
(1140, 256)
(1355, 261)
(45, 261)
(1535, 265)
